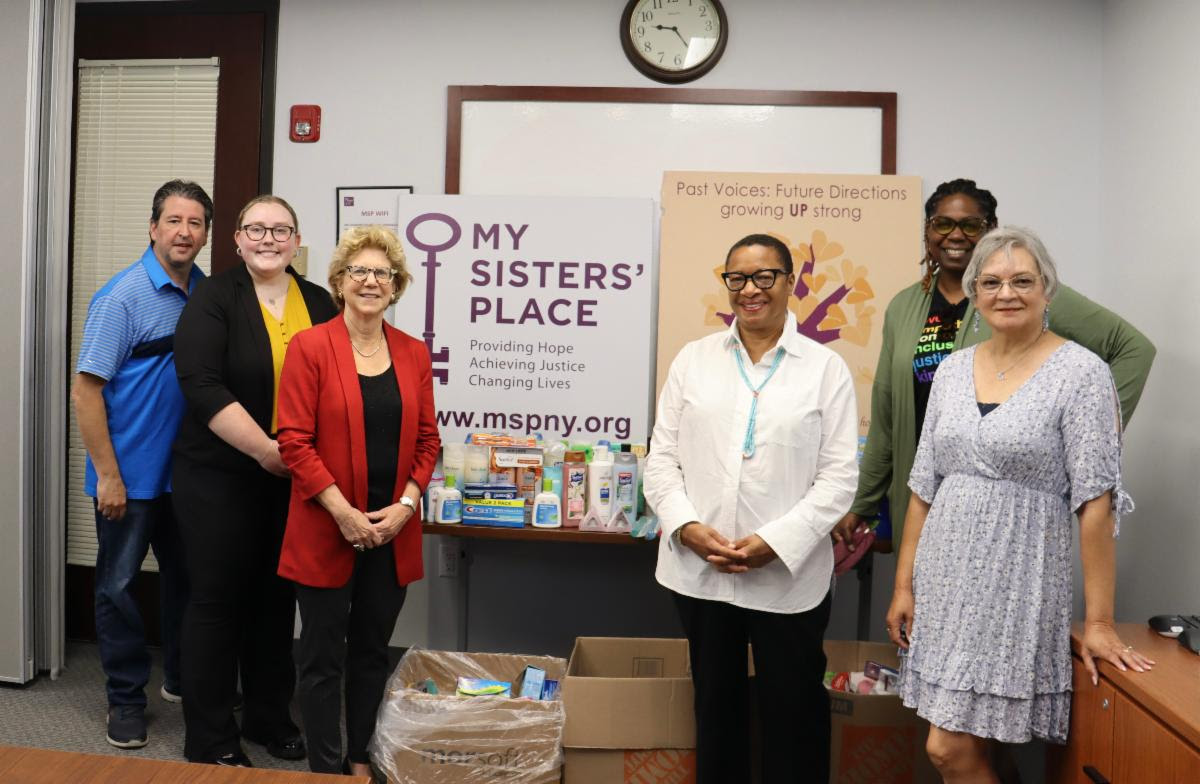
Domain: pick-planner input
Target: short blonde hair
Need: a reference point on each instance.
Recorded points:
(355, 241)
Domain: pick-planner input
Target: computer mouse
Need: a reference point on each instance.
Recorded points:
(1167, 625)
(1190, 639)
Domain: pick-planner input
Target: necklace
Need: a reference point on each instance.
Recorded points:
(1001, 373)
(373, 352)
(748, 441)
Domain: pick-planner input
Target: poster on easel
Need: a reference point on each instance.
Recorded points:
(855, 242)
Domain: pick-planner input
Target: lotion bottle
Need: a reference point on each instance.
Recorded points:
(546, 507)
(449, 504)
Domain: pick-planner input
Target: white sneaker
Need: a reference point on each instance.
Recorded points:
(170, 696)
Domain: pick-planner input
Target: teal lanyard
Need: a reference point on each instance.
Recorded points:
(748, 442)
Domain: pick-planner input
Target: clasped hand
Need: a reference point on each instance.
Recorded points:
(372, 529)
(750, 552)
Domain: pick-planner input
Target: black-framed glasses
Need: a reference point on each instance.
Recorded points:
(763, 279)
(943, 225)
(1021, 284)
(256, 231)
(383, 275)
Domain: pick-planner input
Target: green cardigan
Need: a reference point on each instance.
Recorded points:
(892, 440)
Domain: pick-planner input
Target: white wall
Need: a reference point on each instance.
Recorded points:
(1147, 268)
(1007, 93)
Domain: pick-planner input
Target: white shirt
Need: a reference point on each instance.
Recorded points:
(798, 484)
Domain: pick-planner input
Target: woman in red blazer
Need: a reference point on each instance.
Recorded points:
(357, 430)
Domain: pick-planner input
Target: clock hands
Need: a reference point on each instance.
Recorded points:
(674, 30)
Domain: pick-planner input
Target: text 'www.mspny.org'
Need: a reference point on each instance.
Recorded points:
(562, 425)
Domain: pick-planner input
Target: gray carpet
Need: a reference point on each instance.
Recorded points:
(69, 713)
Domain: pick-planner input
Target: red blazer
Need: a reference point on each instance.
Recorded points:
(322, 441)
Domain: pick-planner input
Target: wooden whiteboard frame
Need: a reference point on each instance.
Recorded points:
(457, 95)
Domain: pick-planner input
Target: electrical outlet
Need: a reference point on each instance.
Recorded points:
(448, 555)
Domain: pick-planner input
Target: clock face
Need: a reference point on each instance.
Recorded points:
(674, 40)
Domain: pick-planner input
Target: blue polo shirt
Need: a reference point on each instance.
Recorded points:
(128, 340)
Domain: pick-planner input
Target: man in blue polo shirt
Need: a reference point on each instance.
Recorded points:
(129, 405)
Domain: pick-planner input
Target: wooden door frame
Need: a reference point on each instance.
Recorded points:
(231, 189)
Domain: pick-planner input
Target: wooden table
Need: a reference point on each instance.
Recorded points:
(1134, 728)
(20, 765)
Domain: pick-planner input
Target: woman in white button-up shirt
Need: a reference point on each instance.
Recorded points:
(752, 463)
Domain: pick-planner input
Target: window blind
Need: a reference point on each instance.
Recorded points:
(139, 123)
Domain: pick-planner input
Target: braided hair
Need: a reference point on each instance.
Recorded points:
(968, 188)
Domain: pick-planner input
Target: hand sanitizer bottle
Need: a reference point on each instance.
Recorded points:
(546, 509)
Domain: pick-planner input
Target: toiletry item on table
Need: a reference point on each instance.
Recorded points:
(600, 483)
(547, 512)
(574, 489)
(448, 505)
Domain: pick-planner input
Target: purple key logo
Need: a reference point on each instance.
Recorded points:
(439, 357)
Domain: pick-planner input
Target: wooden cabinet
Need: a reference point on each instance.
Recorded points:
(1133, 728)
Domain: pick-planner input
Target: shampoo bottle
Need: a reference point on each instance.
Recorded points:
(625, 482)
(574, 483)
(599, 482)
(449, 504)
(546, 507)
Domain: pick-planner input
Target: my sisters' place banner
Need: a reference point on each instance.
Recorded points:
(537, 312)
(855, 243)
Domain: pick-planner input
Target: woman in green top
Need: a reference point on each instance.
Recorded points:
(931, 318)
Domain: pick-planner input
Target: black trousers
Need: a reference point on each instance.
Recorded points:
(346, 630)
(789, 668)
(241, 613)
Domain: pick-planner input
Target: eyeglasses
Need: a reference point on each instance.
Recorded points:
(943, 225)
(383, 275)
(763, 279)
(256, 231)
(1020, 284)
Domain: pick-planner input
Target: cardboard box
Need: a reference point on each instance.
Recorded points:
(630, 766)
(876, 740)
(629, 712)
(630, 720)
(445, 739)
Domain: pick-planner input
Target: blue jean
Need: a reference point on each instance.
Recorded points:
(122, 546)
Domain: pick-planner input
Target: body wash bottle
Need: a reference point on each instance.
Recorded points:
(546, 507)
(599, 483)
(574, 484)
(625, 481)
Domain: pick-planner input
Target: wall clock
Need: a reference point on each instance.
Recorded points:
(674, 40)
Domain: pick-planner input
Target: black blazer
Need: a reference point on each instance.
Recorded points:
(223, 355)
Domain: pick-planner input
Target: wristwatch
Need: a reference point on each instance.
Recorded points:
(406, 501)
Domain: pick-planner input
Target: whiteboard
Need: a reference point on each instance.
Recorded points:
(618, 142)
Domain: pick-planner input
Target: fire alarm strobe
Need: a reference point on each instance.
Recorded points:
(306, 123)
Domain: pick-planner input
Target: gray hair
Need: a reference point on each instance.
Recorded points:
(1005, 238)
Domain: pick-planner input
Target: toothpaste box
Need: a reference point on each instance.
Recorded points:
(503, 512)
(475, 492)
